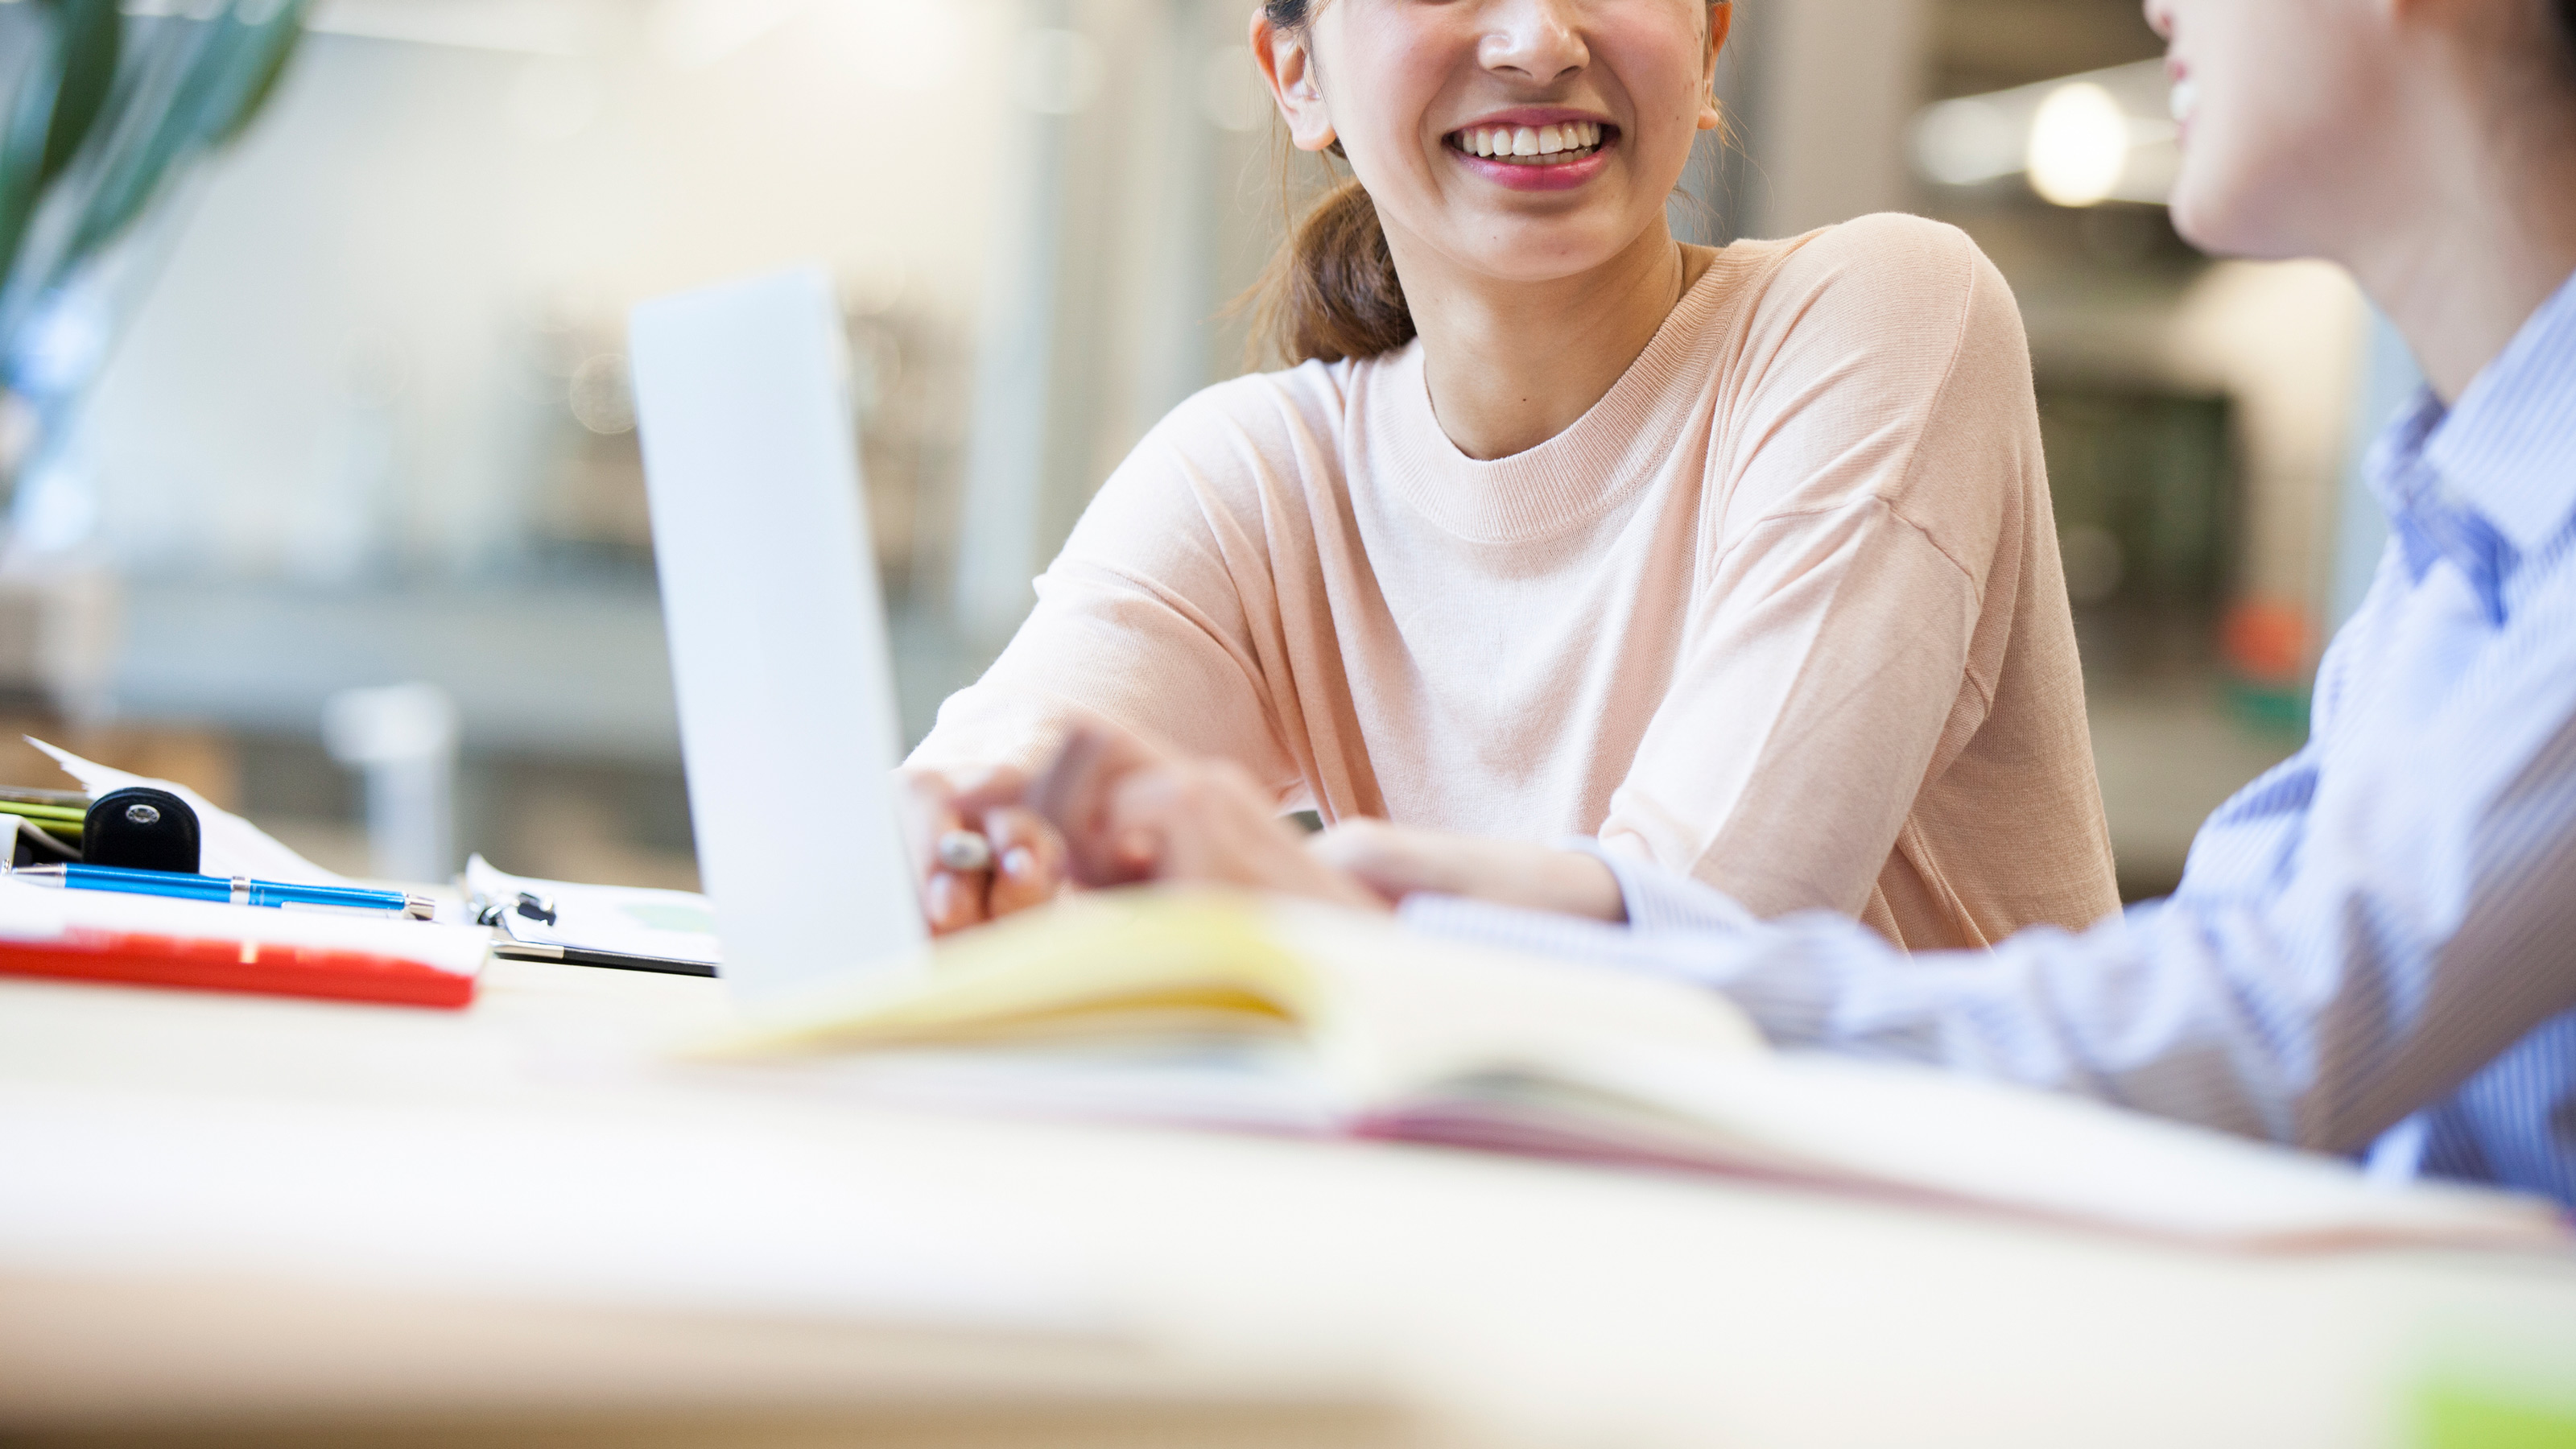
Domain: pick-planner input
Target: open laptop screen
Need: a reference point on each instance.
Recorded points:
(777, 630)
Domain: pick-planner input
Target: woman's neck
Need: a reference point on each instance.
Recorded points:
(2483, 236)
(1512, 364)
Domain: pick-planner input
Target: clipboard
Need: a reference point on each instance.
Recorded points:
(620, 927)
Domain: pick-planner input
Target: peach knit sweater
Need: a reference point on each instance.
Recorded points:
(1782, 611)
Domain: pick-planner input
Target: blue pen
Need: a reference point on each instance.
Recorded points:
(238, 890)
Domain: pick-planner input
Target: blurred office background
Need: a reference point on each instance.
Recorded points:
(354, 408)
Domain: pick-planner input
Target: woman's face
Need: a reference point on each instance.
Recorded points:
(1522, 139)
(2283, 105)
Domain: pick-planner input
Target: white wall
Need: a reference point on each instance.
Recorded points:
(335, 350)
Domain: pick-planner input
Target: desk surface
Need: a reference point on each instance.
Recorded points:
(228, 1214)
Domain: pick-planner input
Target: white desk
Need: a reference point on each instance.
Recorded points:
(234, 1216)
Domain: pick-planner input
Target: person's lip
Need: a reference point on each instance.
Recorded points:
(1561, 176)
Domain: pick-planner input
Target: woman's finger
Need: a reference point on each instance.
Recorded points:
(951, 900)
(1074, 795)
(1388, 859)
(1396, 861)
(1028, 863)
(988, 788)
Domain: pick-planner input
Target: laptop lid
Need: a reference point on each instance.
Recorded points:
(777, 630)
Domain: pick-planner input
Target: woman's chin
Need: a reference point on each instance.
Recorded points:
(2195, 221)
(2214, 219)
(2229, 214)
(1523, 249)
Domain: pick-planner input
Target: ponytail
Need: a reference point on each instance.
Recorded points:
(1332, 292)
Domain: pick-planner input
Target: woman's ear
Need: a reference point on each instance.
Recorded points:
(1289, 68)
(1721, 20)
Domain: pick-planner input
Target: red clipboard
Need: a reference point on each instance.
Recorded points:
(248, 966)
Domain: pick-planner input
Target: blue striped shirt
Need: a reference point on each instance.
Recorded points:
(2373, 948)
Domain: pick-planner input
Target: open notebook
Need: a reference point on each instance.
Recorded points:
(1227, 1011)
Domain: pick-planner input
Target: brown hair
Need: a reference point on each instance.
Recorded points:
(1331, 291)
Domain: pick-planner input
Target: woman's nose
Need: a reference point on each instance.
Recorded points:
(2160, 17)
(1533, 40)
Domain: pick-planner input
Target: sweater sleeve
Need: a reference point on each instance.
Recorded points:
(1143, 617)
(1878, 451)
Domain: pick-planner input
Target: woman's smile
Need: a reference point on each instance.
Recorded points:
(1534, 148)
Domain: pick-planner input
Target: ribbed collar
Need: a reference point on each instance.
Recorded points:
(1578, 475)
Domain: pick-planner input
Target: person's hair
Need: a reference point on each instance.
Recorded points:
(2567, 21)
(1331, 290)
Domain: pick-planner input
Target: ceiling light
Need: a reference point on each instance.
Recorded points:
(2100, 136)
(2079, 145)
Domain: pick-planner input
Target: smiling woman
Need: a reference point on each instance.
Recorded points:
(1739, 561)
(1333, 291)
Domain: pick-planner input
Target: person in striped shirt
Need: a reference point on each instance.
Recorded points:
(2373, 947)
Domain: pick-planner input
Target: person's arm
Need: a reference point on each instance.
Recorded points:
(1157, 616)
(1875, 476)
(2313, 993)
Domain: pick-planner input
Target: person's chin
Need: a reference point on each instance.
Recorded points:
(1535, 249)
(2217, 213)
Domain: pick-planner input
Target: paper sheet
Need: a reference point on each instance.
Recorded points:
(228, 844)
(622, 920)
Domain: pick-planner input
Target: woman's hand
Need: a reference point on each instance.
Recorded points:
(1397, 860)
(1130, 813)
(1023, 857)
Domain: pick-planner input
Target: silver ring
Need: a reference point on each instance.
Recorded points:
(964, 851)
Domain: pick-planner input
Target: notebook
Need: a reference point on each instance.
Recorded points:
(1215, 1010)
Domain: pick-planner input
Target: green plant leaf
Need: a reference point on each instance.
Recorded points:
(112, 115)
(93, 33)
(282, 35)
(149, 136)
(59, 96)
(231, 66)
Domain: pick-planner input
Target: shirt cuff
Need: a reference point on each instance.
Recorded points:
(1659, 900)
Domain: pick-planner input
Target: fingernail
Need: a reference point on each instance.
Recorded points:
(941, 898)
(1019, 861)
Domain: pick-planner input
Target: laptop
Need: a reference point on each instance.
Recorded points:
(777, 630)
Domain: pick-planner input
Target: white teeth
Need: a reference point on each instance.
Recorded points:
(1524, 140)
(2186, 98)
